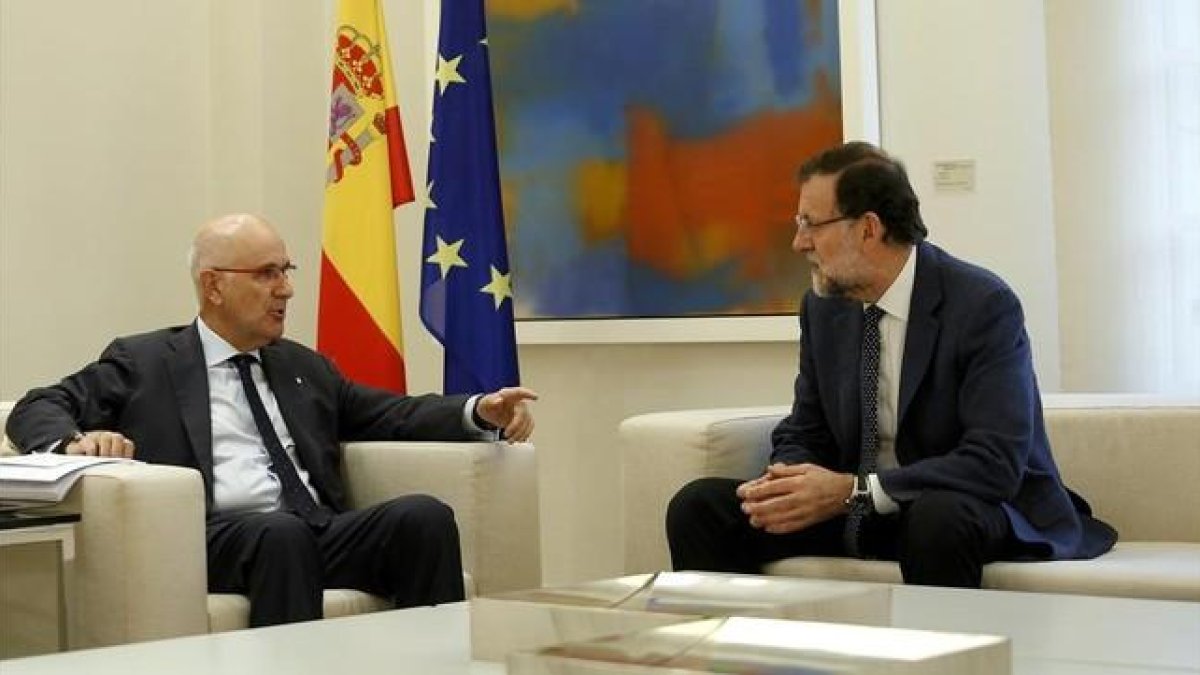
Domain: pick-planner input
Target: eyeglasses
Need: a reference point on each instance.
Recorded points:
(805, 224)
(267, 274)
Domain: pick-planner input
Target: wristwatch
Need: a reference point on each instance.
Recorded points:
(861, 493)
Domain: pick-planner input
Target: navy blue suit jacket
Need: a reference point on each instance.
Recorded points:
(153, 388)
(970, 415)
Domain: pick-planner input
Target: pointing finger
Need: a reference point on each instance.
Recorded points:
(513, 394)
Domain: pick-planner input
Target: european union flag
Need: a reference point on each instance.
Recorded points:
(466, 287)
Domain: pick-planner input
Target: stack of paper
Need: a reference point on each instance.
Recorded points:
(44, 477)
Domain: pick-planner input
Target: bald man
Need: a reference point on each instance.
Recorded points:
(262, 419)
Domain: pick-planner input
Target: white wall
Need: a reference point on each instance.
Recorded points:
(104, 141)
(587, 391)
(967, 80)
(210, 107)
(1125, 113)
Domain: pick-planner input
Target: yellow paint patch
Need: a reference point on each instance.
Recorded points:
(600, 198)
(715, 241)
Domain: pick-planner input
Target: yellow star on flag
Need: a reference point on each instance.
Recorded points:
(447, 73)
(500, 287)
(446, 257)
(429, 203)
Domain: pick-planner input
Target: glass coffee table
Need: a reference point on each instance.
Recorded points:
(1051, 635)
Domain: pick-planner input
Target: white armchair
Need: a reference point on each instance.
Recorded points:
(138, 571)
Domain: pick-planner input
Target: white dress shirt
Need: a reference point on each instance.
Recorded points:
(242, 476)
(893, 326)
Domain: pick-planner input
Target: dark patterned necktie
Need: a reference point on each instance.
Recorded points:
(295, 495)
(869, 395)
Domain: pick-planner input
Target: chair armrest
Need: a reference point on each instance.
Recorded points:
(492, 488)
(661, 452)
(139, 571)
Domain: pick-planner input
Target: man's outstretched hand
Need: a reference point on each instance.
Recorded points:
(506, 409)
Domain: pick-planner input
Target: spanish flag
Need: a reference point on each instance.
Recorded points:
(367, 176)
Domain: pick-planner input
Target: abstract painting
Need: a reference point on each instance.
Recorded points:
(648, 151)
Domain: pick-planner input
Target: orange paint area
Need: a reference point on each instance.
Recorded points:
(696, 204)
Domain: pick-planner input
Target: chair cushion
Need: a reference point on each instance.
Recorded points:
(346, 602)
(1137, 569)
(845, 569)
(229, 611)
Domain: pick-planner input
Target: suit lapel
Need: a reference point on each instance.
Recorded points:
(189, 376)
(847, 334)
(923, 327)
(286, 387)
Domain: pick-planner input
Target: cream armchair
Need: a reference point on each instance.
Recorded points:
(138, 571)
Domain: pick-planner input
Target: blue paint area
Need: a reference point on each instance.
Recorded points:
(603, 283)
(784, 33)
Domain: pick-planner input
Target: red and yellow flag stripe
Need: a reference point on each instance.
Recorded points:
(367, 176)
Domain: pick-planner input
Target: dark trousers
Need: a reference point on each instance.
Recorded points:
(941, 539)
(405, 550)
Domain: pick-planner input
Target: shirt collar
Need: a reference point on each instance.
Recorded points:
(898, 297)
(216, 349)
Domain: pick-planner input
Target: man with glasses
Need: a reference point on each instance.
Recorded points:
(262, 417)
(916, 432)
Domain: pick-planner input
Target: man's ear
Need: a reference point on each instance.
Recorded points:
(210, 285)
(872, 227)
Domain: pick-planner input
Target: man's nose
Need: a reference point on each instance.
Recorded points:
(801, 242)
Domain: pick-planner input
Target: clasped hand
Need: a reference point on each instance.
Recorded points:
(790, 498)
(506, 409)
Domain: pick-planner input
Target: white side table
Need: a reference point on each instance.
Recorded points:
(39, 526)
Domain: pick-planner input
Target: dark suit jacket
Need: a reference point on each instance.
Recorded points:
(153, 388)
(970, 416)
